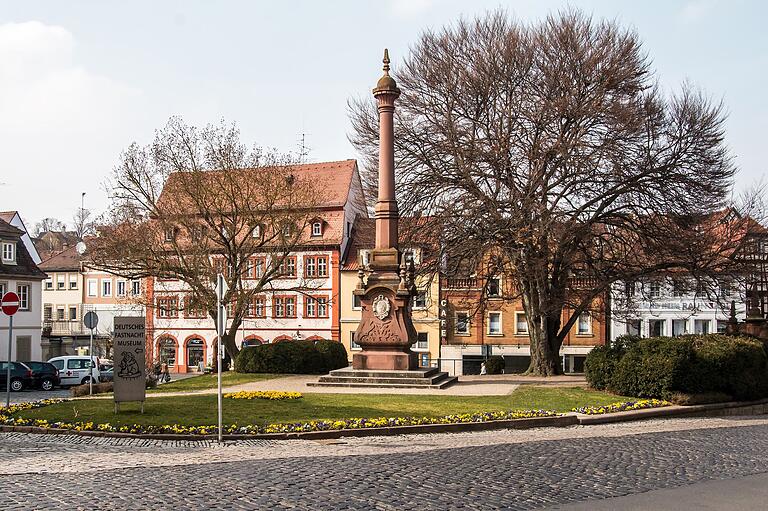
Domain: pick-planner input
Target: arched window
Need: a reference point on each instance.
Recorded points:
(166, 350)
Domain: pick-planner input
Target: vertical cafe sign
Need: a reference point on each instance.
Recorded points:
(129, 358)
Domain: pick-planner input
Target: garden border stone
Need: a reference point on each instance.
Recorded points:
(570, 419)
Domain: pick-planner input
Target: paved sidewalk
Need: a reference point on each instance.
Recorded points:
(24, 453)
(475, 385)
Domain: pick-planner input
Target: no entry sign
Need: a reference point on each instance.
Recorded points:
(9, 303)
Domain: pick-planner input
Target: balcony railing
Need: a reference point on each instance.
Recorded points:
(52, 327)
(468, 283)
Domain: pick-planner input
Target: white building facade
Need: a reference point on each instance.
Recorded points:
(672, 307)
(301, 304)
(19, 273)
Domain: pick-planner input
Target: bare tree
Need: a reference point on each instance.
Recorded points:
(82, 223)
(197, 202)
(548, 153)
(49, 225)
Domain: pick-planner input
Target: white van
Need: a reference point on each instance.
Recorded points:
(75, 370)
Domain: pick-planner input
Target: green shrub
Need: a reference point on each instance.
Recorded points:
(334, 354)
(600, 364)
(653, 367)
(494, 365)
(692, 365)
(291, 357)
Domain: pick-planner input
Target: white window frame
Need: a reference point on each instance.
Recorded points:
(353, 346)
(256, 232)
(488, 290)
(420, 292)
(322, 307)
(124, 284)
(72, 282)
(317, 228)
(417, 347)
(23, 291)
(69, 313)
(104, 289)
(3, 288)
(456, 323)
(517, 323)
(61, 282)
(588, 331)
(94, 282)
(9, 252)
(48, 284)
(134, 284)
(170, 234)
(501, 328)
(654, 293)
(357, 302)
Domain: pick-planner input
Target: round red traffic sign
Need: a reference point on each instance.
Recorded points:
(9, 303)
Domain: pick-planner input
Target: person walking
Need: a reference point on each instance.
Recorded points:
(166, 376)
(483, 370)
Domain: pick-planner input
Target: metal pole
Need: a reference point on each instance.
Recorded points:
(90, 365)
(8, 364)
(220, 363)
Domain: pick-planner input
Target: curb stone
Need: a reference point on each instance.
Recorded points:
(569, 419)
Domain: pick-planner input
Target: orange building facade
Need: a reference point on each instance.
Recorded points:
(474, 327)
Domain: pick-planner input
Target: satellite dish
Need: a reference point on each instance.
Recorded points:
(80, 247)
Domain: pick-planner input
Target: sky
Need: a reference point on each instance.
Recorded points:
(81, 80)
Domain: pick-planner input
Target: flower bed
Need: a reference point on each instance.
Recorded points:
(271, 395)
(622, 406)
(6, 418)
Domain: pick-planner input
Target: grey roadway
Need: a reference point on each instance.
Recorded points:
(674, 464)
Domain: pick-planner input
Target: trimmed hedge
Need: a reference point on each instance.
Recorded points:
(602, 360)
(660, 367)
(292, 357)
(494, 365)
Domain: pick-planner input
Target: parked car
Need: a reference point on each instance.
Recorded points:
(21, 376)
(106, 373)
(76, 369)
(45, 376)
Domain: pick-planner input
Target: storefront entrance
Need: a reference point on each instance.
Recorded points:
(166, 349)
(195, 354)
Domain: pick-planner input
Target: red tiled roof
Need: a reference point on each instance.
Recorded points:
(69, 259)
(333, 179)
(364, 237)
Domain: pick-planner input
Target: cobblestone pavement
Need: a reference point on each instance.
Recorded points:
(510, 469)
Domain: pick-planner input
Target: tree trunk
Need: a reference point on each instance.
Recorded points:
(543, 328)
(545, 349)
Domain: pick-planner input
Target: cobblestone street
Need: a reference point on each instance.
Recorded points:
(530, 469)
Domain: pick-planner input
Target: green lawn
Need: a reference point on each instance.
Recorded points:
(201, 409)
(208, 381)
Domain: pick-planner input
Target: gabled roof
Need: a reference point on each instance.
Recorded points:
(6, 229)
(67, 260)
(334, 180)
(25, 266)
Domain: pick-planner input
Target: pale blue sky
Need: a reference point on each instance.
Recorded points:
(80, 80)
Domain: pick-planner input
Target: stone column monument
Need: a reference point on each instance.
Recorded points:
(386, 331)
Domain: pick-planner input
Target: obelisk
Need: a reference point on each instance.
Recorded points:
(386, 331)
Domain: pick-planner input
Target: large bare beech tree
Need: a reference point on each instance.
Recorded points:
(548, 152)
(197, 202)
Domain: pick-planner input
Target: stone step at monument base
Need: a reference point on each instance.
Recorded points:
(428, 378)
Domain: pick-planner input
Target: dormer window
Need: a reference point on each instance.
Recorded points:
(287, 229)
(256, 232)
(9, 252)
(170, 234)
(317, 228)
